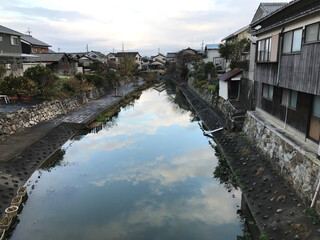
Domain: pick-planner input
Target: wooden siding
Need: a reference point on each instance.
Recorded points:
(301, 72)
(297, 118)
(266, 73)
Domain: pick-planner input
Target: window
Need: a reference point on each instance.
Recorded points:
(316, 106)
(1, 39)
(264, 50)
(292, 41)
(14, 40)
(267, 91)
(289, 98)
(313, 33)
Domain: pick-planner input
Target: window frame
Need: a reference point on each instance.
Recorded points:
(292, 41)
(264, 55)
(13, 39)
(318, 33)
(288, 103)
(268, 91)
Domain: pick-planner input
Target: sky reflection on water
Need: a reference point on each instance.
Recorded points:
(147, 177)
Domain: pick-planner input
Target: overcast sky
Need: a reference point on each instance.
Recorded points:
(140, 25)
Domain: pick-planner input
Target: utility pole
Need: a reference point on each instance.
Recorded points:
(122, 47)
(202, 44)
(87, 48)
(59, 49)
(158, 50)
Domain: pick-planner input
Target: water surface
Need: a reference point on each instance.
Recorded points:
(146, 175)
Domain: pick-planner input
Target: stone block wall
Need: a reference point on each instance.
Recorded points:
(204, 94)
(300, 170)
(17, 121)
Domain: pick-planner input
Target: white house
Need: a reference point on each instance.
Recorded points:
(230, 84)
(211, 53)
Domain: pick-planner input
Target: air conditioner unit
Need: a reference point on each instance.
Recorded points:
(8, 66)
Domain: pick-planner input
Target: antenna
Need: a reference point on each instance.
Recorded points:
(28, 32)
(158, 50)
(59, 49)
(202, 44)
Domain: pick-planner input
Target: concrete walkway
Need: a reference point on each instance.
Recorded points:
(23, 153)
(277, 210)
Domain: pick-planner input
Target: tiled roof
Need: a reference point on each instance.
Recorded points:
(9, 31)
(171, 55)
(267, 8)
(34, 41)
(230, 74)
(122, 54)
(50, 57)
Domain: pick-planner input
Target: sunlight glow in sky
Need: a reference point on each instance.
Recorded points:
(140, 25)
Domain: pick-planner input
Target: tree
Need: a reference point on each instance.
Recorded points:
(127, 65)
(233, 51)
(42, 76)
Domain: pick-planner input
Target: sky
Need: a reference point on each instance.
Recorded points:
(145, 26)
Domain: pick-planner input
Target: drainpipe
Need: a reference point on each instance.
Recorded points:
(279, 56)
(315, 195)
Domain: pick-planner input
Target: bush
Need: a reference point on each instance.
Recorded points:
(96, 80)
(42, 76)
(79, 76)
(18, 86)
(2, 71)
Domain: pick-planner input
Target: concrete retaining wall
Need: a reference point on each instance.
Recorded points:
(300, 170)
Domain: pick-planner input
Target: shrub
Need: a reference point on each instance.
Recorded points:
(18, 86)
(79, 76)
(42, 76)
(2, 71)
(96, 80)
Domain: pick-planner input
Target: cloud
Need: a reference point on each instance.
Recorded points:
(141, 26)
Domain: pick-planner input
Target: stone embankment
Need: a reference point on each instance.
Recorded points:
(278, 212)
(18, 121)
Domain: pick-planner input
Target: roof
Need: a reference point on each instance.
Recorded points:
(230, 74)
(212, 46)
(4, 29)
(33, 41)
(122, 54)
(245, 28)
(171, 55)
(50, 57)
(265, 9)
(290, 12)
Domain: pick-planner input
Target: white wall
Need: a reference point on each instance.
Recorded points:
(211, 54)
(223, 90)
(25, 66)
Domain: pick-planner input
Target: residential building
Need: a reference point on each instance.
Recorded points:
(211, 54)
(287, 67)
(171, 56)
(31, 45)
(10, 50)
(134, 55)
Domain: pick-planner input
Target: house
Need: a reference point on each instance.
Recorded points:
(287, 68)
(158, 62)
(229, 84)
(160, 57)
(134, 55)
(10, 50)
(113, 61)
(59, 63)
(211, 54)
(171, 56)
(32, 45)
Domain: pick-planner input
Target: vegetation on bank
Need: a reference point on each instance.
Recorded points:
(40, 81)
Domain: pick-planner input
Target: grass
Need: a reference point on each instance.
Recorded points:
(312, 213)
(264, 237)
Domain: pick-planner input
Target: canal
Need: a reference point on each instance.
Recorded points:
(147, 174)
